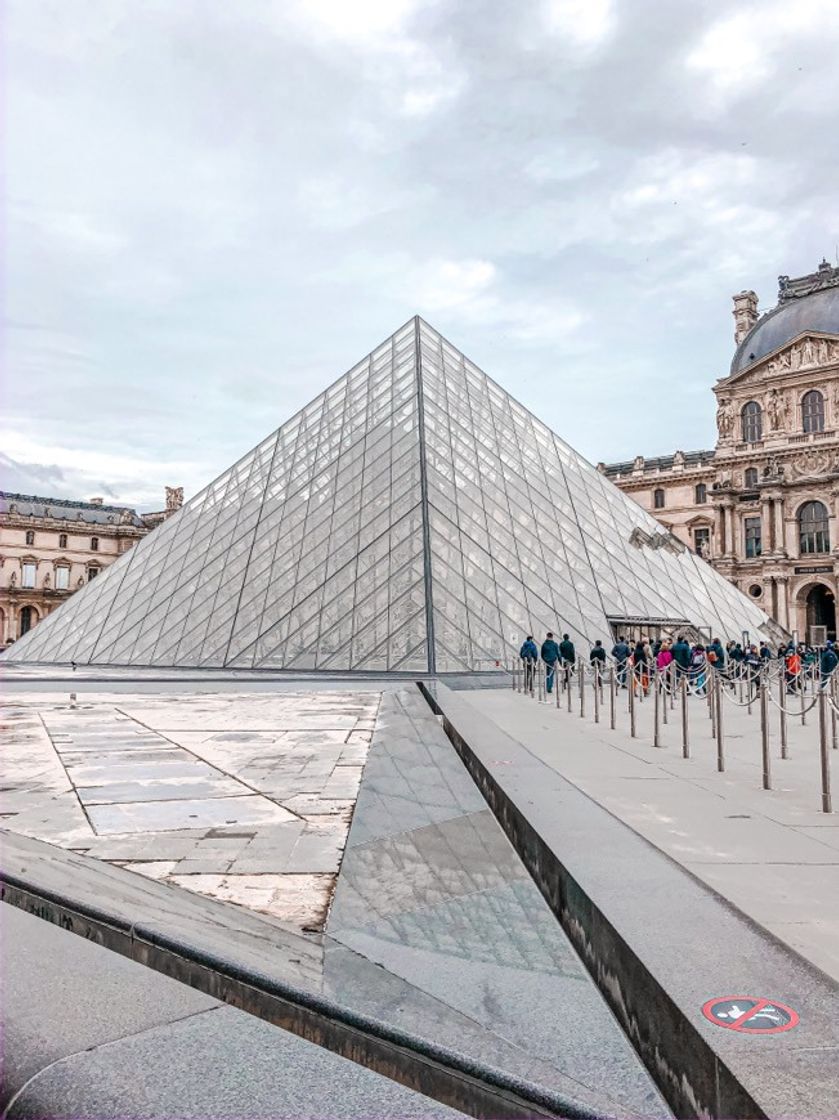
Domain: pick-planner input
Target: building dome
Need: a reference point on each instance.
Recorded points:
(813, 310)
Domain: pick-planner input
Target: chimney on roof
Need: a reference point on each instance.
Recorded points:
(745, 314)
(96, 501)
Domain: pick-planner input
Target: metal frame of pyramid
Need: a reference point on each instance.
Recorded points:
(414, 517)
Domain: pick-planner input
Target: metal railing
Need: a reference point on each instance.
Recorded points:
(789, 690)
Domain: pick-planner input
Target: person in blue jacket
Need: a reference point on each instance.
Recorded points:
(828, 661)
(529, 653)
(550, 655)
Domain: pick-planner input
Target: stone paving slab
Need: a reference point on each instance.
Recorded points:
(209, 792)
(770, 852)
(660, 941)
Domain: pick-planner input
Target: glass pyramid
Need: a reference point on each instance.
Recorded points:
(413, 517)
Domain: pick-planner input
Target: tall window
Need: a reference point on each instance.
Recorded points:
(750, 478)
(752, 422)
(26, 620)
(92, 573)
(702, 541)
(62, 578)
(28, 575)
(62, 540)
(658, 499)
(751, 525)
(30, 536)
(813, 530)
(94, 544)
(701, 494)
(812, 411)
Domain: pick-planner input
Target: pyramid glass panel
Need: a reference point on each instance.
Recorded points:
(412, 518)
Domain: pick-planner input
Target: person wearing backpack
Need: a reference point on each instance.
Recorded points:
(550, 655)
(529, 653)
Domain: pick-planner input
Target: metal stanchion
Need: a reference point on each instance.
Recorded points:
(683, 684)
(558, 691)
(612, 697)
(764, 730)
(782, 714)
(718, 727)
(597, 686)
(802, 685)
(833, 729)
(827, 800)
(632, 703)
(656, 707)
(581, 671)
(566, 676)
(663, 679)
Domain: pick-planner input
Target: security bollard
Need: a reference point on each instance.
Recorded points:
(683, 684)
(612, 697)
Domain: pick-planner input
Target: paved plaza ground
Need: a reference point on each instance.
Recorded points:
(244, 797)
(772, 853)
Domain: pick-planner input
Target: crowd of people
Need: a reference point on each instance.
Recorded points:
(640, 659)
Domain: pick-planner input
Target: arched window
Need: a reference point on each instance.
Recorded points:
(62, 540)
(701, 494)
(30, 536)
(812, 411)
(658, 499)
(94, 544)
(92, 572)
(28, 618)
(752, 422)
(750, 478)
(813, 530)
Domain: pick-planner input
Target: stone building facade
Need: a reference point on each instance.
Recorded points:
(50, 547)
(763, 506)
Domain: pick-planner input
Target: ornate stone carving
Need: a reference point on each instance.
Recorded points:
(815, 464)
(125, 516)
(725, 419)
(13, 579)
(777, 410)
(47, 580)
(774, 469)
(174, 497)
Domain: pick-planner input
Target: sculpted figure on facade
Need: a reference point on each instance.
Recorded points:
(775, 410)
(725, 419)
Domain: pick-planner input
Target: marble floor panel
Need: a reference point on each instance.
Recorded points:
(244, 797)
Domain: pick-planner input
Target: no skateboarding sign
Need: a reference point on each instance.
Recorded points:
(750, 1015)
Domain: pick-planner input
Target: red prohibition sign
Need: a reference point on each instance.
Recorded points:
(750, 1015)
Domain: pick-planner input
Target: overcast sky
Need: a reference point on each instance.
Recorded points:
(213, 209)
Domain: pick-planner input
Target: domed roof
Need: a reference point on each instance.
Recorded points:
(818, 311)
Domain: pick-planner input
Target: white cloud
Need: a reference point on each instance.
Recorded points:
(743, 50)
(472, 291)
(582, 23)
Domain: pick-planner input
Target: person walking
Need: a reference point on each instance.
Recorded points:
(641, 666)
(550, 656)
(597, 659)
(828, 661)
(529, 653)
(568, 656)
(699, 666)
(681, 655)
(620, 652)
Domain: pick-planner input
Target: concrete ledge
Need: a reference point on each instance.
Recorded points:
(254, 965)
(658, 944)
